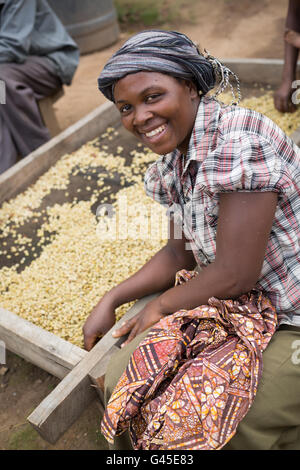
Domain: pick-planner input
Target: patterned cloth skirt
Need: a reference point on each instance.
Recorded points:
(194, 377)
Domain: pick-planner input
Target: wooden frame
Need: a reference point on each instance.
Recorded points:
(82, 372)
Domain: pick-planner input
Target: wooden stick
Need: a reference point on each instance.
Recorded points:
(67, 401)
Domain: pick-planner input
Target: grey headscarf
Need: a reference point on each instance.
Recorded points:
(167, 52)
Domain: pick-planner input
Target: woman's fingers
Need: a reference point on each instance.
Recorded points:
(89, 342)
(125, 328)
(133, 333)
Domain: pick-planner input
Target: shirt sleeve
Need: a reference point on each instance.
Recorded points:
(246, 163)
(17, 22)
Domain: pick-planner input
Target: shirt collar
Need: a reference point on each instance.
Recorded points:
(206, 123)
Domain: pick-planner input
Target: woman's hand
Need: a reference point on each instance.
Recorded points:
(147, 317)
(100, 320)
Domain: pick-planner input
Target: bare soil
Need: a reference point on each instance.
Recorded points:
(227, 29)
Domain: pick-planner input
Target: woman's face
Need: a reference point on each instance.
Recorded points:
(158, 109)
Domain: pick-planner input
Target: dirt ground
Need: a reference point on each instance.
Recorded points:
(227, 29)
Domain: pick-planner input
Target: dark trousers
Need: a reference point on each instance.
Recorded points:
(21, 127)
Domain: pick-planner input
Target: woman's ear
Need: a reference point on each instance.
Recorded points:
(192, 89)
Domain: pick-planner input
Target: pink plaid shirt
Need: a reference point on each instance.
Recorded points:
(236, 149)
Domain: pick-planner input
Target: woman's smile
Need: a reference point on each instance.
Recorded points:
(156, 131)
(158, 109)
(153, 136)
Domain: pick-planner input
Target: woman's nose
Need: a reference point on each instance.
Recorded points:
(141, 115)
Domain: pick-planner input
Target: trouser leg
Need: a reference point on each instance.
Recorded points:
(22, 129)
(273, 421)
(8, 151)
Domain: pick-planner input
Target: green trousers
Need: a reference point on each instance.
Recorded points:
(273, 421)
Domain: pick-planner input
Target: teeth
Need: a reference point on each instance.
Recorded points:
(155, 131)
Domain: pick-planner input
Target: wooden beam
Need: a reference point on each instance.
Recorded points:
(58, 411)
(36, 345)
(257, 70)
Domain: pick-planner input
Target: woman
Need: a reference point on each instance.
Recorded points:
(232, 178)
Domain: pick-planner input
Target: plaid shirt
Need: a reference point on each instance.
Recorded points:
(236, 149)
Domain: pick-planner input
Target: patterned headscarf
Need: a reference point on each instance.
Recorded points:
(167, 52)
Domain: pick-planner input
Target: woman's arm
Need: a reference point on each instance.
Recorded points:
(157, 275)
(245, 221)
(244, 225)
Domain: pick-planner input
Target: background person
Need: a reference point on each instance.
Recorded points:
(37, 56)
(283, 95)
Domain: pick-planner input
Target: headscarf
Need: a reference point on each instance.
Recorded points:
(167, 52)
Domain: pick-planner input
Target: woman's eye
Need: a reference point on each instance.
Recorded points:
(152, 97)
(124, 109)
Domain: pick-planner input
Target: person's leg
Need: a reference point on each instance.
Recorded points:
(8, 151)
(273, 421)
(115, 369)
(21, 125)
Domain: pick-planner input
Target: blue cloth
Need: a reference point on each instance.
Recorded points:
(31, 28)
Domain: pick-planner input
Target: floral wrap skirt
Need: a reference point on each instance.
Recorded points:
(193, 378)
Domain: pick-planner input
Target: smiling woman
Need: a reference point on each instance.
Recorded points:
(192, 363)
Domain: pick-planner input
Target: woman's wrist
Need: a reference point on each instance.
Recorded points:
(112, 298)
(159, 305)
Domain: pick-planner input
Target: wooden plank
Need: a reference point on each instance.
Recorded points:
(67, 401)
(38, 346)
(97, 376)
(17, 178)
(256, 70)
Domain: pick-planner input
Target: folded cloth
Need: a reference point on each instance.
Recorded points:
(195, 375)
